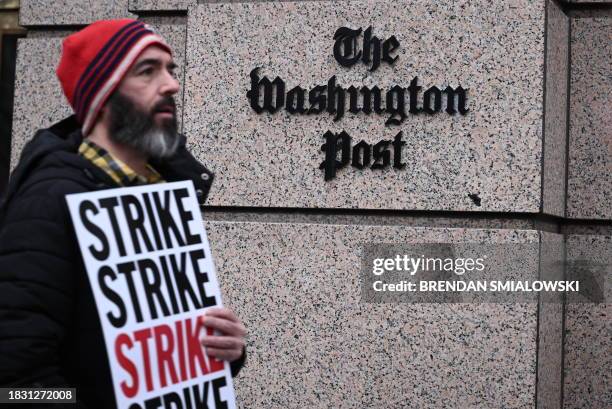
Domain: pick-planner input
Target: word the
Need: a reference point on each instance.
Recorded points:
(373, 51)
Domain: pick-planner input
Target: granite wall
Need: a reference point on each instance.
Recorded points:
(590, 144)
(486, 160)
(587, 381)
(315, 343)
(530, 156)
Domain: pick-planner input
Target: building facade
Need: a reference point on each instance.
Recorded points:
(334, 127)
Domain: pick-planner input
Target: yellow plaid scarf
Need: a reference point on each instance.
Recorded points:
(121, 173)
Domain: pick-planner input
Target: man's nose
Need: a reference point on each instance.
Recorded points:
(170, 84)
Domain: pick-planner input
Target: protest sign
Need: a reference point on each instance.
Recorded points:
(150, 268)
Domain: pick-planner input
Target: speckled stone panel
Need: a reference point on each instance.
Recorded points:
(314, 344)
(588, 329)
(160, 5)
(555, 123)
(590, 146)
(493, 153)
(550, 323)
(39, 100)
(71, 12)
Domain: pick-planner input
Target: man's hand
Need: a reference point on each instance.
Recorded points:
(230, 344)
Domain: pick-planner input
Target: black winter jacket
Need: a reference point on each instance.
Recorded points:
(50, 333)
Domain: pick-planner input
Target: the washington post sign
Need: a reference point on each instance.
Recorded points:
(149, 265)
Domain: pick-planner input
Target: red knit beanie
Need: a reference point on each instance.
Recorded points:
(95, 59)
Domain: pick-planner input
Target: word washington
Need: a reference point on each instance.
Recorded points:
(271, 96)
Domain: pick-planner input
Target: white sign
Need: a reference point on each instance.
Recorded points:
(151, 271)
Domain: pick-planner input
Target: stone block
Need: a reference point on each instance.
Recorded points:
(70, 12)
(314, 343)
(555, 118)
(589, 194)
(486, 160)
(39, 101)
(550, 323)
(587, 362)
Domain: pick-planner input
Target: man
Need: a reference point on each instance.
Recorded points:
(118, 75)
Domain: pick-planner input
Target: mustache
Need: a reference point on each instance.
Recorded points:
(164, 104)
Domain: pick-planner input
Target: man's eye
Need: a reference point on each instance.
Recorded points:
(146, 71)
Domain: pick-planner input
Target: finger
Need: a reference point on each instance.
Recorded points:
(222, 312)
(225, 326)
(222, 342)
(224, 354)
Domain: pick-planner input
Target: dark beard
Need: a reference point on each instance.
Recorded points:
(137, 129)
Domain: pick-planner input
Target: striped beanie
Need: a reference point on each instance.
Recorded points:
(95, 59)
